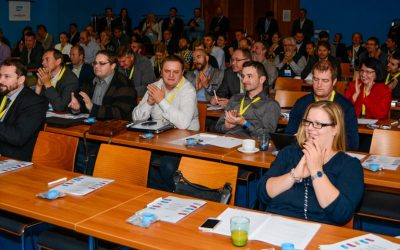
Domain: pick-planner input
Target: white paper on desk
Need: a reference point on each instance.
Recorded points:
(66, 116)
(214, 107)
(364, 242)
(358, 156)
(210, 139)
(11, 165)
(363, 121)
(271, 229)
(172, 209)
(82, 185)
(384, 162)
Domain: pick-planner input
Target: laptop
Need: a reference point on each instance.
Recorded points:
(63, 122)
(282, 140)
(155, 127)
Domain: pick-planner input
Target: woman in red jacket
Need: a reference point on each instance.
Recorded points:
(369, 95)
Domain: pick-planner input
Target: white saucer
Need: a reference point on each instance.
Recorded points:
(255, 150)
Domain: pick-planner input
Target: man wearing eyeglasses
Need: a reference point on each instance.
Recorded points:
(232, 83)
(22, 112)
(290, 63)
(324, 80)
(109, 96)
(56, 81)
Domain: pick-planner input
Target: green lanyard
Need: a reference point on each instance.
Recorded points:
(172, 96)
(131, 74)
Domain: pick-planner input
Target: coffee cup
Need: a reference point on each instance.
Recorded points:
(248, 144)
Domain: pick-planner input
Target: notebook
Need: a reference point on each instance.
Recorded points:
(155, 127)
(63, 122)
(282, 140)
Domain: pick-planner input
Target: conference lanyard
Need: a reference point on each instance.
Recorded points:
(363, 105)
(59, 77)
(243, 109)
(131, 74)
(172, 96)
(387, 78)
(3, 108)
(330, 99)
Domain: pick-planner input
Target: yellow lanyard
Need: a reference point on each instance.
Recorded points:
(388, 77)
(243, 109)
(172, 96)
(59, 77)
(363, 106)
(3, 109)
(330, 99)
(131, 74)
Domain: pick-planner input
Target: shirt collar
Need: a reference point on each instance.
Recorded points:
(16, 93)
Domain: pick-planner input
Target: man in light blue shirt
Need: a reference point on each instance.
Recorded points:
(89, 46)
(217, 52)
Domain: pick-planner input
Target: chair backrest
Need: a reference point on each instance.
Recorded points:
(209, 173)
(385, 142)
(202, 108)
(286, 83)
(340, 87)
(55, 150)
(287, 98)
(125, 164)
(346, 70)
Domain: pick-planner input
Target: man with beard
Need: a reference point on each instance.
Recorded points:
(204, 78)
(392, 78)
(22, 112)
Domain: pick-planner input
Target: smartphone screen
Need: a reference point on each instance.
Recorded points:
(209, 224)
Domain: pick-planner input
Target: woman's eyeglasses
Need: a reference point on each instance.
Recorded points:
(317, 125)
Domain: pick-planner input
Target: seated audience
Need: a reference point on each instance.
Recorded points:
(32, 53)
(369, 95)
(217, 52)
(56, 81)
(373, 50)
(392, 78)
(22, 112)
(160, 52)
(289, 63)
(315, 179)
(253, 112)
(324, 80)
(205, 78)
(89, 45)
(64, 46)
(323, 53)
(109, 96)
(172, 98)
(259, 51)
(44, 37)
(232, 83)
(136, 68)
(82, 70)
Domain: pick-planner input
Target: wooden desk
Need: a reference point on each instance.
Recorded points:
(19, 188)
(215, 113)
(112, 226)
(162, 142)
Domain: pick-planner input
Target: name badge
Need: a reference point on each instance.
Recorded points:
(287, 72)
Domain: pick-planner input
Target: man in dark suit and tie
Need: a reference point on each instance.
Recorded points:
(73, 34)
(267, 26)
(31, 55)
(303, 24)
(173, 23)
(22, 112)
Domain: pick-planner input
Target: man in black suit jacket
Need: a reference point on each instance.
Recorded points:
(219, 24)
(32, 53)
(109, 96)
(23, 117)
(265, 33)
(170, 42)
(231, 84)
(82, 70)
(303, 24)
(56, 81)
(173, 23)
(300, 43)
(74, 35)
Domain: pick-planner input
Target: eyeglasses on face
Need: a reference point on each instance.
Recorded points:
(99, 63)
(368, 72)
(239, 59)
(317, 125)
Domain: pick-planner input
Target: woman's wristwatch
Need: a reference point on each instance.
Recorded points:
(317, 175)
